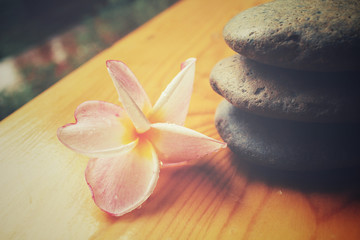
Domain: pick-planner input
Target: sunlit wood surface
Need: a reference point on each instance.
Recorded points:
(44, 194)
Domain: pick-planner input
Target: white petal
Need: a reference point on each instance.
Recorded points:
(101, 129)
(173, 104)
(124, 78)
(121, 183)
(176, 144)
(131, 94)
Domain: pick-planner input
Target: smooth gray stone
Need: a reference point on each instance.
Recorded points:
(288, 145)
(287, 94)
(316, 35)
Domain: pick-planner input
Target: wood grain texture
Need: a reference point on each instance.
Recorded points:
(44, 194)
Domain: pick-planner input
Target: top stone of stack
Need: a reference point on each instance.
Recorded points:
(295, 34)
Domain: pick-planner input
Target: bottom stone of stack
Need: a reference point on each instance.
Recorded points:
(286, 144)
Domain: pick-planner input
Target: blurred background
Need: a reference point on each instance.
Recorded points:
(43, 40)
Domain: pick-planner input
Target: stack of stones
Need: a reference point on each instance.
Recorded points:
(293, 89)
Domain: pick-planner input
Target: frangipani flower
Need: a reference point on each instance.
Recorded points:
(128, 146)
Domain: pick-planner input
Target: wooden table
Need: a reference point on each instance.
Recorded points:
(44, 194)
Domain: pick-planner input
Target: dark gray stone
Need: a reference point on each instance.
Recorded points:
(288, 145)
(288, 94)
(316, 35)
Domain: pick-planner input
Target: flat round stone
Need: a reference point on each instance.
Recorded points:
(287, 94)
(288, 145)
(316, 35)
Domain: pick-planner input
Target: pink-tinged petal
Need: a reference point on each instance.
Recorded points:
(124, 78)
(176, 144)
(173, 104)
(131, 94)
(121, 183)
(101, 129)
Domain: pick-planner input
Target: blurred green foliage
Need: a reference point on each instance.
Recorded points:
(25, 23)
(9, 101)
